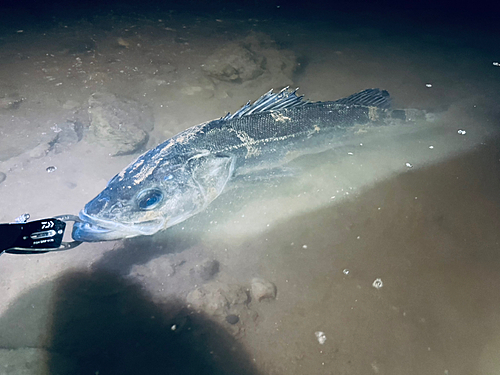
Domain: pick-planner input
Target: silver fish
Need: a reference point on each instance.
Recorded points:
(183, 175)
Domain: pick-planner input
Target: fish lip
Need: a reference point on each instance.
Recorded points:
(97, 224)
(92, 229)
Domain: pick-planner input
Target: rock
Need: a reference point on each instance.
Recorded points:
(206, 270)
(232, 319)
(40, 151)
(3, 176)
(255, 57)
(69, 134)
(262, 289)
(278, 60)
(234, 62)
(210, 302)
(119, 124)
(217, 298)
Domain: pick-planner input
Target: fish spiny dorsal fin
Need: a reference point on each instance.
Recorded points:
(370, 98)
(270, 102)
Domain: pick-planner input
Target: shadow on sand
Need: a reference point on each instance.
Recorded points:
(102, 324)
(107, 326)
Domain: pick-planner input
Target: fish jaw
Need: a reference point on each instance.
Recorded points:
(92, 229)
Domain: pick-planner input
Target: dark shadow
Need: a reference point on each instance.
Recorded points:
(104, 325)
(141, 250)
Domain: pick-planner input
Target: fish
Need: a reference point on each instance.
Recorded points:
(182, 176)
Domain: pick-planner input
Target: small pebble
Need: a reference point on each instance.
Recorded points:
(262, 289)
(232, 319)
(3, 176)
(51, 169)
(320, 336)
(207, 269)
(377, 284)
(461, 132)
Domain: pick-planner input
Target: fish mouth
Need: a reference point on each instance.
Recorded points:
(92, 229)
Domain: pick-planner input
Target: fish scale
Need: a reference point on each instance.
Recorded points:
(183, 175)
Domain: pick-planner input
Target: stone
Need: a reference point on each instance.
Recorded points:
(217, 299)
(119, 124)
(40, 151)
(234, 62)
(256, 57)
(206, 270)
(209, 302)
(261, 289)
(69, 134)
(232, 319)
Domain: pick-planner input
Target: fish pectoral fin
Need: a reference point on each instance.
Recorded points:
(212, 172)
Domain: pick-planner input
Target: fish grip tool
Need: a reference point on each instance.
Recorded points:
(36, 237)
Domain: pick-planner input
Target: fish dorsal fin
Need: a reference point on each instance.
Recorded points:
(270, 102)
(289, 99)
(370, 98)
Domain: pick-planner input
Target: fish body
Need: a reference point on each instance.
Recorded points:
(183, 175)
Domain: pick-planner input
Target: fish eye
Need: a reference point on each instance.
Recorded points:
(149, 199)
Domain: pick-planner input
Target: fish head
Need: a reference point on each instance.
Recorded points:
(153, 194)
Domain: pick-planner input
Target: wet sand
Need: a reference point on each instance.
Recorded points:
(417, 208)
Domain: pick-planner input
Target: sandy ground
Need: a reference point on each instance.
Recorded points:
(417, 208)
